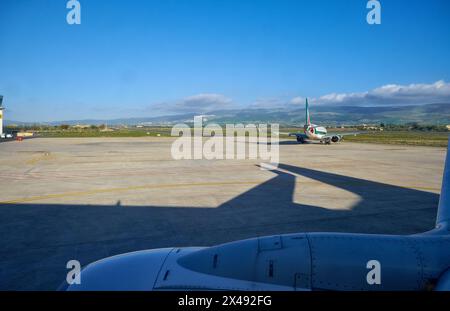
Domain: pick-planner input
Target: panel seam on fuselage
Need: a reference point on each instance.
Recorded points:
(162, 266)
(310, 262)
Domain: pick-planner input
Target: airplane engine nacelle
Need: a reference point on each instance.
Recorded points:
(336, 139)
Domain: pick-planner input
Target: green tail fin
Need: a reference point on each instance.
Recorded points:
(308, 120)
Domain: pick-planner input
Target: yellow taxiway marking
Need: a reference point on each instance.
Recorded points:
(421, 188)
(45, 156)
(131, 188)
(97, 191)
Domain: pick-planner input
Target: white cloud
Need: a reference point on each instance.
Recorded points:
(390, 94)
(270, 102)
(386, 95)
(298, 100)
(199, 103)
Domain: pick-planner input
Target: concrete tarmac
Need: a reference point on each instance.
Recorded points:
(88, 198)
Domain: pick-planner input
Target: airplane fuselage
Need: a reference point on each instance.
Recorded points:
(315, 132)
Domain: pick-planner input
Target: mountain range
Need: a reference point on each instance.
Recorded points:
(433, 114)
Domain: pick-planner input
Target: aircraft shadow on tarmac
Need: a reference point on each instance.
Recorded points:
(289, 142)
(39, 239)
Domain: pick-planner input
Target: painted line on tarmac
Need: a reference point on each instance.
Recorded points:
(162, 186)
(131, 188)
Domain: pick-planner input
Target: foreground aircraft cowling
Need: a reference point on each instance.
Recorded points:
(317, 132)
(301, 261)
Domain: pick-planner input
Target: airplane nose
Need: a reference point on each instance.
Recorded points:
(136, 271)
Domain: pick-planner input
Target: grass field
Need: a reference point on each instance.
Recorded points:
(417, 138)
(434, 139)
(156, 131)
(413, 138)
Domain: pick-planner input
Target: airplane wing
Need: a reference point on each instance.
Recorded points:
(282, 133)
(336, 137)
(298, 134)
(329, 135)
(292, 134)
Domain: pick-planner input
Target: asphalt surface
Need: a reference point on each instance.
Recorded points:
(88, 198)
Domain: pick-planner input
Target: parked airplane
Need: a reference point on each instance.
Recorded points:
(316, 132)
(300, 261)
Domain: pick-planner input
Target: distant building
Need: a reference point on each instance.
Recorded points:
(25, 134)
(81, 126)
(372, 127)
(105, 128)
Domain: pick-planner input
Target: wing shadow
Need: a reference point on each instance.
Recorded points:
(39, 239)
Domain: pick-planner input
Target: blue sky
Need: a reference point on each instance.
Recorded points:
(146, 58)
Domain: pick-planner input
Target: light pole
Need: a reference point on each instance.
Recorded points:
(1, 115)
